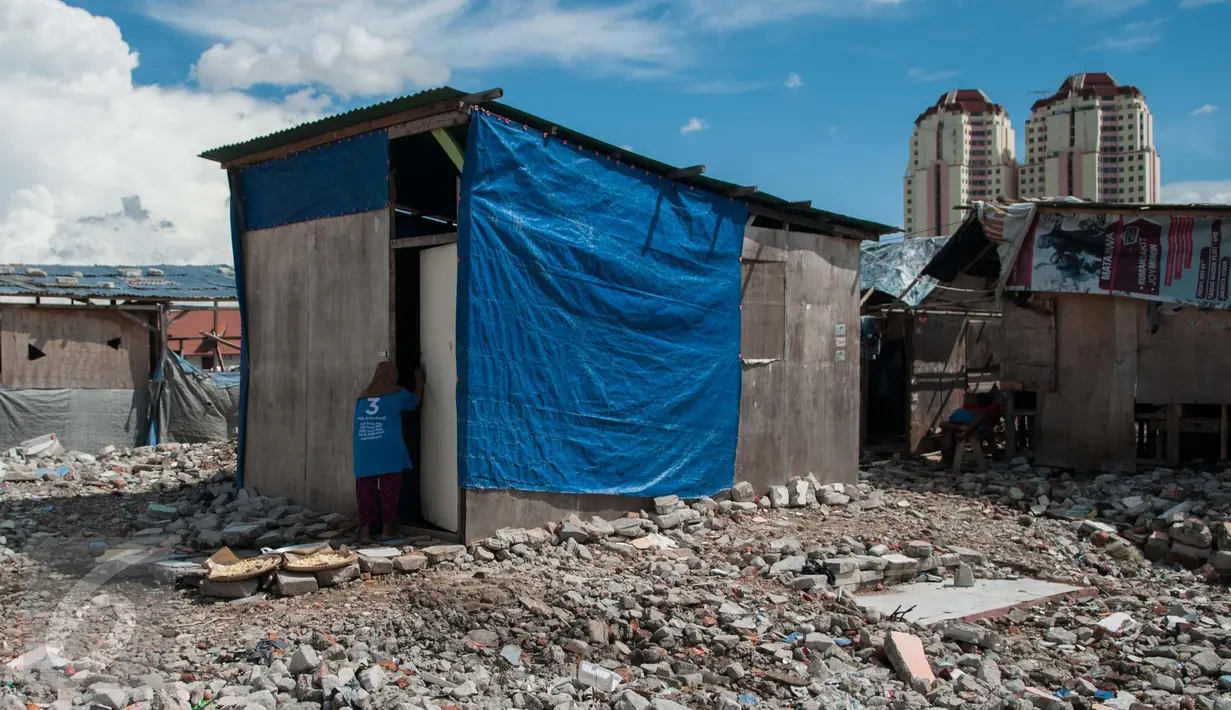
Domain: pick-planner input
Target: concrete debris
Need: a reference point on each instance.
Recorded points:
(715, 602)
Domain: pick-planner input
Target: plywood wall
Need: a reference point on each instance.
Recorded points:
(81, 349)
(1186, 360)
(318, 322)
(800, 413)
(1028, 345)
(1087, 423)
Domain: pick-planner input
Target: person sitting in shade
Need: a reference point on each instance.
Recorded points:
(977, 419)
(379, 450)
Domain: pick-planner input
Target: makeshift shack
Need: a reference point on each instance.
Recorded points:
(926, 347)
(1114, 319)
(84, 354)
(596, 327)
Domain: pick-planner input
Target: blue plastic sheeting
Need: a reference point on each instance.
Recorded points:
(598, 323)
(221, 380)
(343, 178)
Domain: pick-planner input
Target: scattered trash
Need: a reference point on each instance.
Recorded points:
(597, 677)
(512, 654)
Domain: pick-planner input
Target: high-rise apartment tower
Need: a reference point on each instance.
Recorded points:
(1092, 139)
(962, 150)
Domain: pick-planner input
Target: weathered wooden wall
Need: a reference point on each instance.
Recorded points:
(1186, 361)
(78, 349)
(1088, 422)
(318, 322)
(1028, 345)
(936, 347)
(800, 413)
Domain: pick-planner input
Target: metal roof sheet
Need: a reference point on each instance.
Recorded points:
(341, 121)
(148, 283)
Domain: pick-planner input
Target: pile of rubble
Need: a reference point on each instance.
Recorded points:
(728, 602)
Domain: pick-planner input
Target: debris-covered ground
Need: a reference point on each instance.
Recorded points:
(743, 600)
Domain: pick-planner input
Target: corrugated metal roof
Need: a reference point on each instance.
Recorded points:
(147, 283)
(337, 122)
(425, 98)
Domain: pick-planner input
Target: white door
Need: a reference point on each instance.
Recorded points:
(438, 338)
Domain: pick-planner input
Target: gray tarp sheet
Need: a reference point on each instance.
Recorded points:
(197, 406)
(83, 419)
(889, 267)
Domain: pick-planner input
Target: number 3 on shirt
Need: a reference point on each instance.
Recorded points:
(373, 407)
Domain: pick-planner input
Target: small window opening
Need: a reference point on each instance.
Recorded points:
(114, 343)
(33, 353)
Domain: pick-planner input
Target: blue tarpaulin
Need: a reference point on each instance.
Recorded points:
(342, 178)
(598, 323)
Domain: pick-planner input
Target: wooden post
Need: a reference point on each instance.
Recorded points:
(1222, 435)
(1010, 427)
(1173, 434)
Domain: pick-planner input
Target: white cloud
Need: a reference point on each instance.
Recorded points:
(1131, 43)
(1198, 191)
(1204, 110)
(725, 87)
(694, 124)
(735, 14)
(367, 47)
(794, 81)
(925, 75)
(1109, 7)
(97, 169)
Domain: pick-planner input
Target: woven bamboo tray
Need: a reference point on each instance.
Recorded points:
(224, 566)
(319, 559)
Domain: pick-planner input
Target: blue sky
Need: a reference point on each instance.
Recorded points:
(636, 72)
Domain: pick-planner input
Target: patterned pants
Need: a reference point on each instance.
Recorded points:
(390, 495)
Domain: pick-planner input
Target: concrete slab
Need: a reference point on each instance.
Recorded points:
(989, 598)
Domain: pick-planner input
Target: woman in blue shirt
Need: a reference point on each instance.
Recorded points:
(380, 451)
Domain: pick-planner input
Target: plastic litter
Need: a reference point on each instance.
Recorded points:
(40, 446)
(1119, 624)
(597, 677)
(748, 698)
(512, 654)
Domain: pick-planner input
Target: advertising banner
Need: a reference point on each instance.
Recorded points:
(1171, 258)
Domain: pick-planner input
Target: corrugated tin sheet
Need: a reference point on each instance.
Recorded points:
(340, 121)
(147, 283)
(891, 267)
(431, 96)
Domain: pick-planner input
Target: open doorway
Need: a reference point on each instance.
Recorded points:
(425, 169)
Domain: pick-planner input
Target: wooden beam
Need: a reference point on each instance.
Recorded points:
(740, 191)
(678, 173)
(430, 240)
(1222, 434)
(483, 96)
(450, 147)
(805, 204)
(813, 222)
(233, 342)
(447, 119)
(1173, 434)
(138, 321)
(186, 311)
